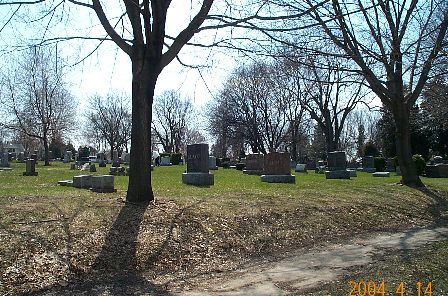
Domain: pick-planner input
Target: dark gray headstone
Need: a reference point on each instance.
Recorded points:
(197, 158)
(198, 166)
(254, 164)
(336, 160)
(30, 168)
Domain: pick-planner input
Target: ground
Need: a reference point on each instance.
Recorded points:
(194, 240)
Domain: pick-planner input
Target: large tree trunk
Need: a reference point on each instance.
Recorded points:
(403, 145)
(143, 84)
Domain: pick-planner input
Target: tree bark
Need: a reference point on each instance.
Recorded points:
(144, 77)
(403, 146)
(46, 154)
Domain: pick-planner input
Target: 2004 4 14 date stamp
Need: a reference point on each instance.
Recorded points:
(372, 288)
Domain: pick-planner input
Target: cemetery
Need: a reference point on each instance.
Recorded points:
(223, 148)
(257, 200)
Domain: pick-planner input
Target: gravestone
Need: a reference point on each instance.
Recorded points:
(381, 174)
(254, 164)
(438, 159)
(4, 162)
(276, 168)
(301, 168)
(73, 166)
(398, 171)
(126, 158)
(65, 183)
(336, 166)
(103, 184)
(101, 160)
(390, 165)
(439, 170)
(336, 161)
(92, 168)
(198, 166)
(212, 163)
(115, 156)
(368, 164)
(165, 161)
(21, 157)
(117, 171)
(82, 181)
(30, 168)
(67, 156)
(352, 173)
(320, 167)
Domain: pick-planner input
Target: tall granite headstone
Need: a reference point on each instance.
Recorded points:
(276, 168)
(390, 165)
(198, 166)
(254, 164)
(212, 163)
(336, 166)
(30, 168)
(368, 164)
(4, 161)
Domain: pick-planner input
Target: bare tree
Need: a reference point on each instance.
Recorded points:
(37, 98)
(109, 120)
(172, 116)
(332, 94)
(142, 36)
(395, 45)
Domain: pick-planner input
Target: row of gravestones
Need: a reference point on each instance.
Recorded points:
(275, 166)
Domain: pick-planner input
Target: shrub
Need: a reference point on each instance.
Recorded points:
(419, 162)
(379, 163)
(175, 158)
(370, 149)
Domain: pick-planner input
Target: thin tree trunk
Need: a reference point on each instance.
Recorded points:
(403, 146)
(143, 84)
(46, 154)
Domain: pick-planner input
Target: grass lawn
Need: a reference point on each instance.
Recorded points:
(52, 235)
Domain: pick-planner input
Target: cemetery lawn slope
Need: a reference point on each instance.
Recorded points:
(53, 236)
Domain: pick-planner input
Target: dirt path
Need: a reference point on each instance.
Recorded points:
(308, 270)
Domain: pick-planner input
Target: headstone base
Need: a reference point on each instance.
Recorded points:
(369, 170)
(437, 171)
(30, 173)
(200, 179)
(352, 173)
(339, 174)
(253, 172)
(117, 171)
(213, 168)
(381, 174)
(300, 168)
(278, 178)
(102, 164)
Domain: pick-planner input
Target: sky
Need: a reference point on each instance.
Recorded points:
(107, 69)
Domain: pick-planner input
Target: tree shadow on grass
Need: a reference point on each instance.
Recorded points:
(114, 271)
(439, 207)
